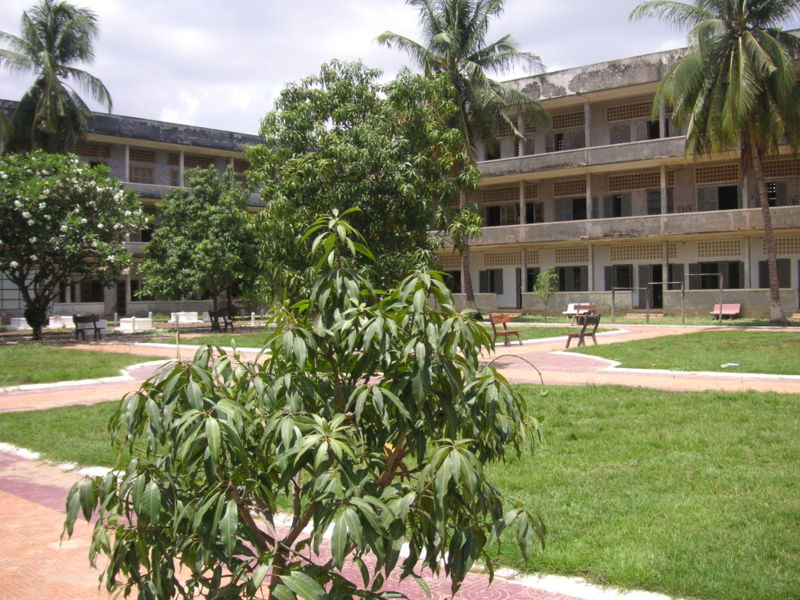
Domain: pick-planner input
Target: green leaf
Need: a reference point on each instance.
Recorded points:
(87, 497)
(228, 526)
(303, 585)
(213, 438)
(339, 542)
(150, 503)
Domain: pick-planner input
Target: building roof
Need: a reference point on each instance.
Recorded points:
(159, 131)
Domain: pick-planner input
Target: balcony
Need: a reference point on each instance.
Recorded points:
(585, 158)
(154, 191)
(651, 226)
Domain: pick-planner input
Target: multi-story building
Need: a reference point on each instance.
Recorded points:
(608, 197)
(150, 157)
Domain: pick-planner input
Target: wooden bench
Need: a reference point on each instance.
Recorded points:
(574, 310)
(220, 317)
(727, 310)
(589, 329)
(502, 319)
(88, 322)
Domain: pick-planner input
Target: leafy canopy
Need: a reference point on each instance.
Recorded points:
(339, 140)
(61, 220)
(205, 243)
(369, 412)
(55, 35)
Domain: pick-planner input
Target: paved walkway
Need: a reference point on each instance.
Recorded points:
(32, 493)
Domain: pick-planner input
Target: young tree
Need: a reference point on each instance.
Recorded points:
(397, 459)
(205, 243)
(454, 46)
(462, 227)
(545, 286)
(60, 221)
(51, 115)
(340, 139)
(736, 88)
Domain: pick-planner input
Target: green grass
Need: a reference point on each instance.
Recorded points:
(539, 332)
(35, 363)
(691, 494)
(254, 339)
(622, 319)
(695, 495)
(754, 351)
(71, 434)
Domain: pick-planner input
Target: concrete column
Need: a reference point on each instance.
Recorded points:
(522, 203)
(665, 265)
(520, 143)
(664, 203)
(128, 295)
(126, 162)
(591, 268)
(524, 282)
(589, 200)
(662, 120)
(180, 168)
(587, 124)
(748, 271)
(68, 292)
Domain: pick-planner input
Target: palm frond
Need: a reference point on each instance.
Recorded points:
(92, 85)
(679, 14)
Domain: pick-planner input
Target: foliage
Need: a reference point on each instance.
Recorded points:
(51, 115)
(454, 47)
(61, 220)
(736, 87)
(205, 243)
(384, 460)
(545, 286)
(339, 140)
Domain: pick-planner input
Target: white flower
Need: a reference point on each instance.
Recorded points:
(45, 191)
(84, 221)
(17, 203)
(116, 225)
(4, 175)
(94, 243)
(64, 228)
(42, 205)
(26, 214)
(32, 240)
(99, 225)
(110, 258)
(13, 264)
(31, 222)
(34, 257)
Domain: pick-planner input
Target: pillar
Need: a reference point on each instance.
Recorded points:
(664, 203)
(589, 199)
(180, 168)
(126, 162)
(587, 124)
(748, 271)
(662, 120)
(522, 203)
(591, 268)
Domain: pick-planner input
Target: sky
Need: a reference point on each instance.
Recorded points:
(222, 63)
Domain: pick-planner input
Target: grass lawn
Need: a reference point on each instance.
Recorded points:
(691, 494)
(34, 363)
(755, 352)
(539, 332)
(622, 319)
(253, 339)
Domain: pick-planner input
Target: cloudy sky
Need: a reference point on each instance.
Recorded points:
(221, 63)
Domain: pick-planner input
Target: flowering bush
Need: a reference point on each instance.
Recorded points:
(61, 220)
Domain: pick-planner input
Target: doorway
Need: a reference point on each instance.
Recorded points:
(651, 274)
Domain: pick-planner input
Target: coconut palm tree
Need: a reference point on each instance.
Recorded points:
(454, 44)
(735, 88)
(55, 35)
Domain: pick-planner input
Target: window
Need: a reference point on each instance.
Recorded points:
(10, 298)
(573, 279)
(91, 291)
(654, 201)
(724, 197)
(492, 149)
(452, 279)
(619, 133)
(784, 274)
(530, 278)
(504, 214)
(777, 194)
(619, 276)
(142, 175)
(617, 205)
(570, 139)
(571, 209)
(534, 212)
(705, 275)
(490, 281)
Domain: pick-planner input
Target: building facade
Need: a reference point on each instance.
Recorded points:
(608, 197)
(150, 158)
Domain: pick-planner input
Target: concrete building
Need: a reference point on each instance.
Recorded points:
(607, 196)
(150, 157)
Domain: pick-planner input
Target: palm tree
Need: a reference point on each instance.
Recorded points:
(454, 45)
(735, 88)
(51, 115)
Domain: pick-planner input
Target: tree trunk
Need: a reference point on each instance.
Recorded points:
(776, 310)
(466, 276)
(36, 316)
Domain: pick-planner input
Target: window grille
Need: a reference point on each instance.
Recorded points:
(503, 130)
(174, 177)
(634, 181)
(531, 191)
(637, 252)
(533, 256)
(568, 120)
(142, 155)
(500, 194)
(93, 150)
(173, 159)
(501, 259)
(672, 251)
(628, 112)
(451, 260)
(571, 256)
(785, 245)
(142, 175)
(714, 248)
(240, 165)
(781, 168)
(528, 128)
(190, 161)
(569, 187)
(726, 173)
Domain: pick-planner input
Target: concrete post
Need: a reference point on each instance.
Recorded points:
(662, 120)
(587, 124)
(748, 271)
(126, 162)
(128, 291)
(522, 203)
(252, 319)
(133, 324)
(180, 169)
(589, 199)
(591, 268)
(664, 202)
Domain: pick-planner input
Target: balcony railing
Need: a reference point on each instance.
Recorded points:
(648, 226)
(150, 190)
(585, 157)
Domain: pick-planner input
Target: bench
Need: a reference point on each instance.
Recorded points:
(502, 319)
(589, 329)
(576, 309)
(84, 324)
(727, 310)
(220, 317)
